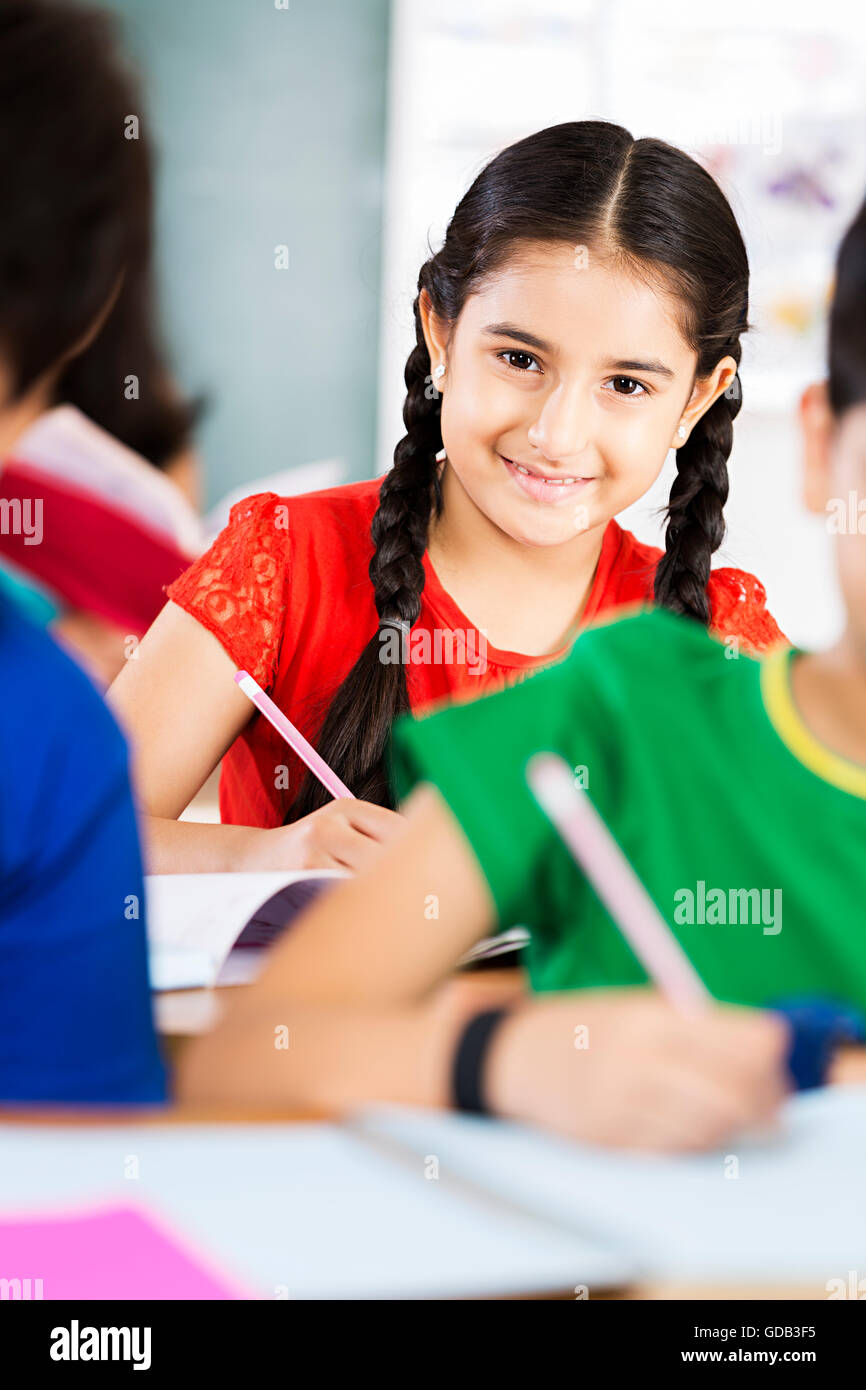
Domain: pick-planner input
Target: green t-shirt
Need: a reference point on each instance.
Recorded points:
(748, 834)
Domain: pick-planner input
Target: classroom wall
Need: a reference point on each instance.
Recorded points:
(270, 125)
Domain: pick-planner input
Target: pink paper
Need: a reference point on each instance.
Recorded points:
(113, 1252)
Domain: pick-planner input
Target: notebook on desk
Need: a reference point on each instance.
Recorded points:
(214, 929)
(295, 1211)
(109, 1252)
(208, 929)
(788, 1208)
(420, 1204)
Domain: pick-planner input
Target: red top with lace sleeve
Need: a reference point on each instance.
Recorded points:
(286, 590)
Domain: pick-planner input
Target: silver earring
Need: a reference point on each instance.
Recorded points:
(439, 372)
(681, 432)
(441, 456)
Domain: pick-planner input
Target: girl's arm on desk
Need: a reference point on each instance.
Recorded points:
(181, 710)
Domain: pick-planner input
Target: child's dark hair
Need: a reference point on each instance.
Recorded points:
(76, 224)
(847, 339)
(643, 205)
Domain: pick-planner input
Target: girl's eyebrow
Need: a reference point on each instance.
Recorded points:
(655, 367)
(510, 330)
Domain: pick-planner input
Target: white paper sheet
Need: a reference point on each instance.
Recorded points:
(193, 920)
(301, 1211)
(789, 1210)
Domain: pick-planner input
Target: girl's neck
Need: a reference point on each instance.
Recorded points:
(829, 691)
(527, 598)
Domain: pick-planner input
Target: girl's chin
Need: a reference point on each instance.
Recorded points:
(545, 531)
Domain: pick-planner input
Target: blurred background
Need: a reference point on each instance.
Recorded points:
(309, 150)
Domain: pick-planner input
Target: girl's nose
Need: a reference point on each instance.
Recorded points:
(562, 428)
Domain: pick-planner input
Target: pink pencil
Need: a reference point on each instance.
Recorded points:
(615, 882)
(294, 738)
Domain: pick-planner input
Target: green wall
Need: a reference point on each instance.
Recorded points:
(270, 129)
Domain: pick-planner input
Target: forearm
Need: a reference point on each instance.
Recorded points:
(291, 1057)
(190, 847)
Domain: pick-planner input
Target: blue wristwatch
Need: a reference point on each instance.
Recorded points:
(818, 1026)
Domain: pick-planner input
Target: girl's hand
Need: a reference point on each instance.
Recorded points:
(345, 834)
(622, 1067)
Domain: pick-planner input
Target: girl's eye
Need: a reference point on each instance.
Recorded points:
(526, 356)
(623, 386)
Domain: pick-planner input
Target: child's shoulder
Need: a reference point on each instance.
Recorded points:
(351, 502)
(348, 496)
(738, 605)
(737, 599)
(30, 658)
(51, 706)
(640, 645)
(306, 527)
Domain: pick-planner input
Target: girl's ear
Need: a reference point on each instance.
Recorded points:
(435, 332)
(705, 393)
(816, 427)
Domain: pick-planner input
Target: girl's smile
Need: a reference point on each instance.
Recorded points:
(552, 488)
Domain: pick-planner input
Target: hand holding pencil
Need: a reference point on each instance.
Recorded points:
(340, 835)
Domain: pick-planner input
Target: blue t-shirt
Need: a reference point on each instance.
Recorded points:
(75, 1013)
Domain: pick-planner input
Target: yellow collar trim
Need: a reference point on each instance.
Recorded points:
(785, 718)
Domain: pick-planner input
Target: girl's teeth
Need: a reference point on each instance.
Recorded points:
(551, 482)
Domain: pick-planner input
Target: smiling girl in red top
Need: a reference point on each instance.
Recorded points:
(582, 317)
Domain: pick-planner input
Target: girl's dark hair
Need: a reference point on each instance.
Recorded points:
(76, 224)
(847, 345)
(660, 215)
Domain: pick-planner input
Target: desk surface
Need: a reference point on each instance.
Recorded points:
(76, 1121)
(300, 1210)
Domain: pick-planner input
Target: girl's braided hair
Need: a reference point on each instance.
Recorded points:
(660, 215)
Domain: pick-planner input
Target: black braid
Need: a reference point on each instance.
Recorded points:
(402, 519)
(359, 719)
(696, 523)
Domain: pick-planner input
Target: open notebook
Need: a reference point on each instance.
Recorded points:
(213, 929)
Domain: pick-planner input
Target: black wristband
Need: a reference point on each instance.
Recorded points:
(467, 1075)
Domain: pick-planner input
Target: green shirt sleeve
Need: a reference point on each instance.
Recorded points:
(476, 755)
